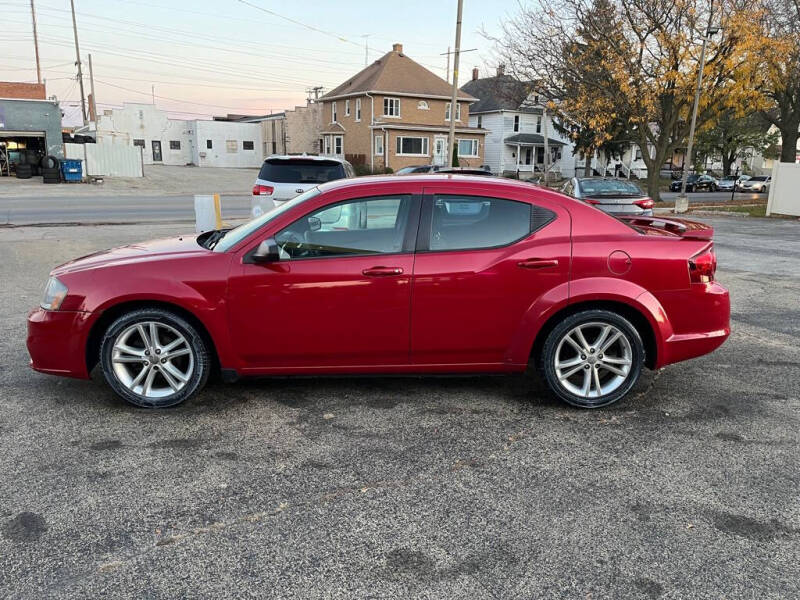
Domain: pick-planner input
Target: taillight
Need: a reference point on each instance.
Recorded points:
(262, 190)
(703, 266)
(645, 203)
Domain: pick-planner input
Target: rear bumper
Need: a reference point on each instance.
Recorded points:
(57, 342)
(700, 319)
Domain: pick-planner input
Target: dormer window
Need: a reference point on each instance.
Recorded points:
(422, 105)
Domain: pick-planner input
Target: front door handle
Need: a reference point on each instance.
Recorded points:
(538, 263)
(382, 272)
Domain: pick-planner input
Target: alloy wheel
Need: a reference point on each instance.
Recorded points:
(593, 359)
(152, 359)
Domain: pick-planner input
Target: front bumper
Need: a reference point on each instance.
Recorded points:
(57, 342)
(700, 320)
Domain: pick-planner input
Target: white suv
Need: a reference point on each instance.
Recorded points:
(283, 177)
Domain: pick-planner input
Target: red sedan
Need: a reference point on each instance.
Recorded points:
(419, 274)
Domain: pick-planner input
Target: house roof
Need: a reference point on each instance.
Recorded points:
(531, 139)
(502, 92)
(396, 73)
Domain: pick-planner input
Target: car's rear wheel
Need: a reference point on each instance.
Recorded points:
(592, 358)
(154, 358)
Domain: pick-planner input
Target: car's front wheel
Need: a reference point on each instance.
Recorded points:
(592, 358)
(154, 358)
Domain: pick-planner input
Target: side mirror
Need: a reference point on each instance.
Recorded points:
(266, 252)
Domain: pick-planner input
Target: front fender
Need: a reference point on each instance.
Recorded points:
(588, 290)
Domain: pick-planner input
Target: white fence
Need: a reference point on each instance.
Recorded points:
(112, 160)
(784, 190)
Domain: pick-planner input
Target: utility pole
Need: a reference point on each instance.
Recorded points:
(78, 62)
(366, 48)
(93, 105)
(36, 45)
(451, 138)
(682, 202)
(153, 92)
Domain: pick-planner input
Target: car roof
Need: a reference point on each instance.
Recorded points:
(458, 180)
(288, 157)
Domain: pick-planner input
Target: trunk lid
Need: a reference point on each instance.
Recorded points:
(682, 228)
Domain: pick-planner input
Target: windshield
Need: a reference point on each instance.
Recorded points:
(758, 179)
(234, 236)
(300, 170)
(406, 170)
(609, 187)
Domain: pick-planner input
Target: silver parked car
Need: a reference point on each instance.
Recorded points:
(282, 177)
(756, 184)
(614, 196)
(731, 182)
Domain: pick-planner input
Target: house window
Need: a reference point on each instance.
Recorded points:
(379, 145)
(422, 105)
(174, 145)
(139, 143)
(247, 145)
(337, 144)
(447, 112)
(358, 109)
(347, 108)
(480, 121)
(538, 124)
(467, 148)
(333, 112)
(209, 144)
(231, 147)
(391, 107)
(412, 146)
(274, 147)
(516, 122)
(638, 153)
(536, 99)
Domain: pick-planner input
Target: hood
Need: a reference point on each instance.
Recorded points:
(139, 252)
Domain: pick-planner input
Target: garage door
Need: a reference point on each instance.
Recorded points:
(17, 134)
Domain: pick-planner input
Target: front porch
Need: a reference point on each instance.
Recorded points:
(527, 155)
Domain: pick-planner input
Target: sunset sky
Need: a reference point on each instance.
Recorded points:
(245, 56)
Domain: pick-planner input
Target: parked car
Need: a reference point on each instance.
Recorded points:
(283, 177)
(615, 196)
(466, 171)
(695, 183)
(758, 184)
(418, 274)
(730, 183)
(417, 169)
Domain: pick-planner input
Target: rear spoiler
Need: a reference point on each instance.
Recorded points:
(693, 230)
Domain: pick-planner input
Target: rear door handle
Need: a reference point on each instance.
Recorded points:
(538, 263)
(382, 272)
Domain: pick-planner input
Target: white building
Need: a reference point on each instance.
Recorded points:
(169, 141)
(518, 124)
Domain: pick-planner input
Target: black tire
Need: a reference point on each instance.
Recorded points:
(51, 172)
(49, 162)
(588, 319)
(199, 355)
(24, 171)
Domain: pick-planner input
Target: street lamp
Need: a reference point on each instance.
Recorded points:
(682, 202)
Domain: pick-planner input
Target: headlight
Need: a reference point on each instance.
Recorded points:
(54, 294)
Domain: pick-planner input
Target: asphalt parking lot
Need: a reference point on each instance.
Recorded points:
(396, 488)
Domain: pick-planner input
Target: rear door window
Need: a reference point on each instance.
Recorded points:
(473, 222)
(301, 171)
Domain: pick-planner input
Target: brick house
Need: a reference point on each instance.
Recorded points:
(396, 113)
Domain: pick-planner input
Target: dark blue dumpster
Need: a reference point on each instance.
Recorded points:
(72, 170)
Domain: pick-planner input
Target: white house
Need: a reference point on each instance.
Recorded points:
(519, 128)
(169, 141)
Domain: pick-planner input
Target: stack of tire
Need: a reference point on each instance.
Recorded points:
(27, 166)
(51, 169)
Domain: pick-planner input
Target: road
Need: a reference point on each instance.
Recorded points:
(137, 209)
(111, 209)
(409, 488)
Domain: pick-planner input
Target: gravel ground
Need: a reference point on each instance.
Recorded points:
(428, 487)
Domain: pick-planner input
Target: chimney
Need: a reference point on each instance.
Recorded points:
(474, 73)
(501, 68)
(397, 48)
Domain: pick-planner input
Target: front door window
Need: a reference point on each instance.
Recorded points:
(156, 151)
(440, 151)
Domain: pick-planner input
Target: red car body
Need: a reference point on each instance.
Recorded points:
(446, 311)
